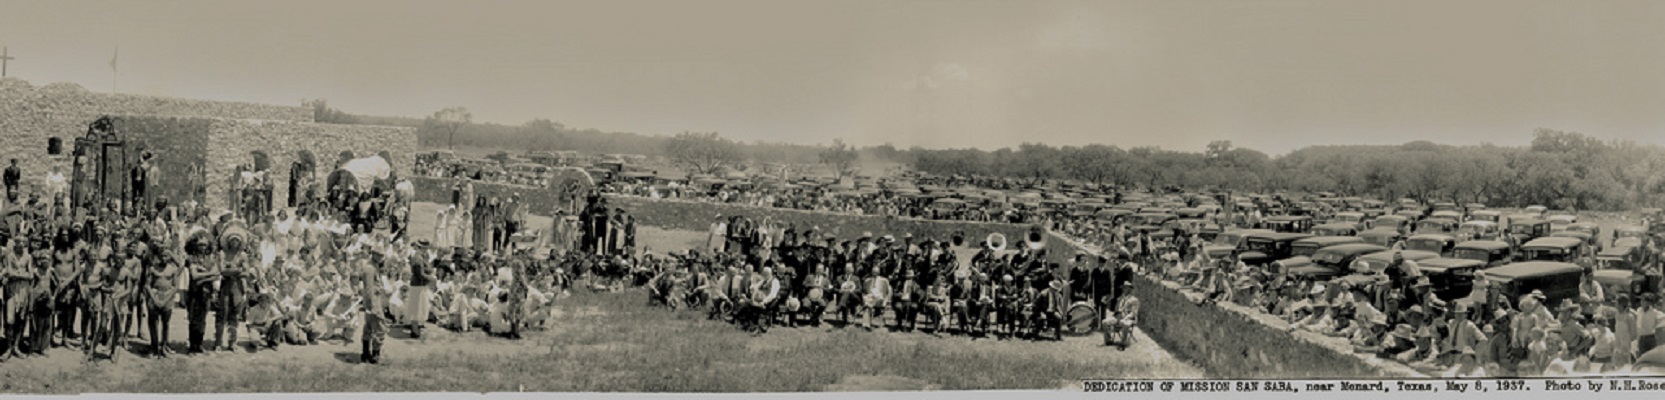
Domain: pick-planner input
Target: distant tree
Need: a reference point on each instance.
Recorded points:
(323, 114)
(448, 122)
(703, 153)
(840, 157)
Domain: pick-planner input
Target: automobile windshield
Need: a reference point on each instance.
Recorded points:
(1432, 245)
(1472, 254)
(1328, 257)
(1303, 250)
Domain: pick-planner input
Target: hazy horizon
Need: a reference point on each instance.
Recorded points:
(1270, 75)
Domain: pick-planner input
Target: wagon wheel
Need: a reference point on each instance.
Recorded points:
(568, 187)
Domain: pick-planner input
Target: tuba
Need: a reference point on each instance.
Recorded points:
(1035, 240)
(992, 239)
(958, 239)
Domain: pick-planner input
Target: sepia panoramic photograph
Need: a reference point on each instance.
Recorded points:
(828, 196)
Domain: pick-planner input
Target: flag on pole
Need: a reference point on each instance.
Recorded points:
(113, 59)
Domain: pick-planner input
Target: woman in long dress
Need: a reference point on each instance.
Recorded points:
(442, 228)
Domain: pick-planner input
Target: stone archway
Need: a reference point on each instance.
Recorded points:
(302, 175)
(569, 187)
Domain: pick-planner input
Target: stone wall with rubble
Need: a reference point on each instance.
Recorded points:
(29, 115)
(232, 142)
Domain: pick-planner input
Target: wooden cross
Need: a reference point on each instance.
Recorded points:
(5, 58)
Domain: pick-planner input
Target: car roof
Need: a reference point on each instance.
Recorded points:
(1413, 255)
(1441, 264)
(1553, 241)
(1533, 268)
(1380, 232)
(1328, 240)
(1334, 225)
(1287, 218)
(1281, 236)
(1486, 212)
(1585, 224)
(1353, 248)
(1482, 223)
(1616, 251)
(1483, 244)
(1437, 236)
(1391, 217)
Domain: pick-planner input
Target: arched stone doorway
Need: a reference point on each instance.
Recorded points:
(252, 189)
(302, 175)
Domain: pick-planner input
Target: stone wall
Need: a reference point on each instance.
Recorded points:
(232, 142)
(438, 190)
(29, 115)
(1231, 341)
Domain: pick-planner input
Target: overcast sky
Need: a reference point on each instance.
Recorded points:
(1272, 75)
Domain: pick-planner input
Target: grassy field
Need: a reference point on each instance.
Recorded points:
(613, 342)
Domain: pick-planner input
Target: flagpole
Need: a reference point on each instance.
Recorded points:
(113, 74)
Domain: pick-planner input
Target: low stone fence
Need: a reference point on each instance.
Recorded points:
(1232, 341)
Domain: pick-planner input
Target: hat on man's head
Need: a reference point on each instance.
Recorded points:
(1538, 294)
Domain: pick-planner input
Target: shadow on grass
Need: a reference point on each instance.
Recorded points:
(349, 357)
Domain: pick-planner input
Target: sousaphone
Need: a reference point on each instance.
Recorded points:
(995, 241)
(1035, 240)
(958, 239)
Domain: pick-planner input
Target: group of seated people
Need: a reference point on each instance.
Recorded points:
(886, 283)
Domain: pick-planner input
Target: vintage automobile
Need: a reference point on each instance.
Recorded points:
(1525, 230)
(1384, 237)
(1557, 280)
(1560, 222)
(1287, 223)
(1334, 261)
(1335, 229)
(1354, 218)
(1437, 225)
(1472, 207)
(1445, 206)
(1411, 215)
(1437, 243)
(1537, 210)
(1301, 251)
(1589, 240)
(1115, 215)
(1491, 252)
(1478, 230)
(1558, 249)
(1594, 229)
(1147, 222)
(1265, 247)
(1452, 278)
(1618, 269)
(1374, 263)
(1447, 214)
(1229, 242)
(1492, 216)
(1630, 235)
(1395, 222)
(1191, 213)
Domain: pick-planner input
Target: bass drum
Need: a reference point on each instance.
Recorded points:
(1081, 319)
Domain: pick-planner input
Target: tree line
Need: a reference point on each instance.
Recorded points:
(1563, 170)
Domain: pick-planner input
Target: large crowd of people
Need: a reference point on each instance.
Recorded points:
(758, 277)
(92, 278)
